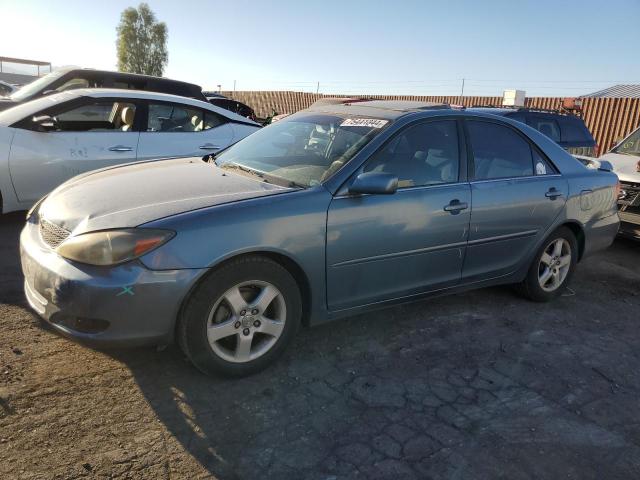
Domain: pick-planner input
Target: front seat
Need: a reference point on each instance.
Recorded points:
(127, 115)
(197, 122)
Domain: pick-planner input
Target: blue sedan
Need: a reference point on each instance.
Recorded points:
(333, 211)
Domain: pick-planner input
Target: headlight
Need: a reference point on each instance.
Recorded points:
(36, 206)
(110, 247)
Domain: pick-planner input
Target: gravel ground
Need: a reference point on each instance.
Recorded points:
(478, 385)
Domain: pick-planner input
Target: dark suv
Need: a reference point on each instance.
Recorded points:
(68, 79)
(230, 104)
(568, 130)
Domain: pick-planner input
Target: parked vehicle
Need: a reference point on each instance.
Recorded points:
(232, 105)
(625, 159)
(321, 102)
(567, 130)
(73, 78)
(6, 89)
(47, 141)
(330, 212)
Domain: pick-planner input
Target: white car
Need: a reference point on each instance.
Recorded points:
(46, 141)
(624, 161)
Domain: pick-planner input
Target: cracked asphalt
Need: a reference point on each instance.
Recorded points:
(480, 385)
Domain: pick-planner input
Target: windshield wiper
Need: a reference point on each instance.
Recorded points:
(236, 166)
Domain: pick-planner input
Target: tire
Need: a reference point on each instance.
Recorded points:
(546, 278)
(241, 317)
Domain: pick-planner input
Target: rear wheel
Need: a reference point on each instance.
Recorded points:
(552, 267)
(241, 318)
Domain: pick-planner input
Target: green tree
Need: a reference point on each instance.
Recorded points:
(142, 42)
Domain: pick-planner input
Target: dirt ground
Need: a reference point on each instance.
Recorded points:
(478, 385)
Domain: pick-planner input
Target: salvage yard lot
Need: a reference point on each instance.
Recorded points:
(477, 385)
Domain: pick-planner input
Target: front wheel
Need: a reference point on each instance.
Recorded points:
(240, 318)
(552, 267)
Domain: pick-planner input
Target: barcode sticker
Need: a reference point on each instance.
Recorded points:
(364, 122)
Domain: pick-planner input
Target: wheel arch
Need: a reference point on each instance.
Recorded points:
(578, 232)
(287, 262)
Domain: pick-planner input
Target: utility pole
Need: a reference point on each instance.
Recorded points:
(318, 88)
(462, 91)
(234, 86)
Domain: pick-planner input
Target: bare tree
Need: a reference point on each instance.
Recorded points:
(142, 42)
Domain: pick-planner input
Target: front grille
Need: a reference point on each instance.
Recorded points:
(52, 234)
(630, 194)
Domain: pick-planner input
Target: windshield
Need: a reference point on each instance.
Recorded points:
(30, 89)
(630, 145)
(302, 150)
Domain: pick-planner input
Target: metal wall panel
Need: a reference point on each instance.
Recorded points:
(608, 119)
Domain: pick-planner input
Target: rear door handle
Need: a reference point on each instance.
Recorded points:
(209, 146)
(120, 148)
(553, 193)
(455, 207)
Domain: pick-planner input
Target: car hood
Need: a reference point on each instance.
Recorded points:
(130, 195)
(625, 166)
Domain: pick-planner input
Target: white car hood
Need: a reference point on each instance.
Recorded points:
(130, 195)
(625, 166)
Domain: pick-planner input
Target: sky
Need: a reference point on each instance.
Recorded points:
(545, 47)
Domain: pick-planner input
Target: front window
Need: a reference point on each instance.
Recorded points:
(425, 154)
(100, 116)
(630, 145)
(303, 150)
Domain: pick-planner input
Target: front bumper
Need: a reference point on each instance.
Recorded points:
(105, 306)
(629, 225)
(629, 210)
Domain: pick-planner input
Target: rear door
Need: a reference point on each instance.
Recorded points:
(381, 247)
(88, 134)
(179, 130)
(516, 194)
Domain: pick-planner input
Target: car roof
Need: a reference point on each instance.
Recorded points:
(140, 76)
(506, 111)
(141, 94)
(17, 113)
(387, 109)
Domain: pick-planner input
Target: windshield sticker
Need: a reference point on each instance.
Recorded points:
(364, 122)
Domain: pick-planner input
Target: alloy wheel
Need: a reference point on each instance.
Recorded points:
(246, 321)
(554, 265)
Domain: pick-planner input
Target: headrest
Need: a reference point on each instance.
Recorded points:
(127, 115)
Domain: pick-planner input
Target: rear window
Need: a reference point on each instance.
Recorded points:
(574, 130)
(546, 125)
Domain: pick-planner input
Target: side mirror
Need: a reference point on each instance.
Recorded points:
(45, 123)
(375, 183)
(605, 166)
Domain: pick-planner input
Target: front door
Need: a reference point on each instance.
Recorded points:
(381, 247)
(95, 134)
(516, 195)
(177, 130)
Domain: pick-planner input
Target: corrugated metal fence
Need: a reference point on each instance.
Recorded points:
(609, 119)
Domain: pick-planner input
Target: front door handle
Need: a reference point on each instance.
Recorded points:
(120, 148)
(209, 146)
(553, 193)
(455, 207)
